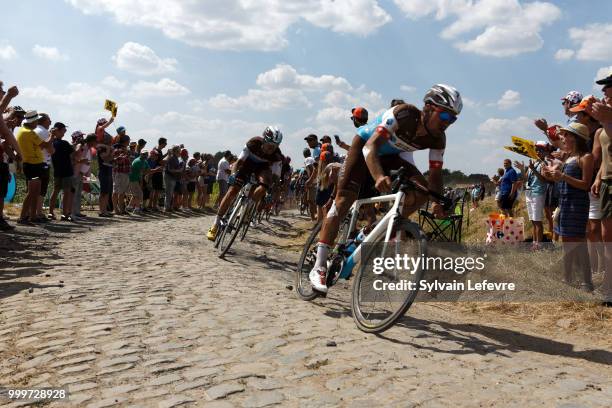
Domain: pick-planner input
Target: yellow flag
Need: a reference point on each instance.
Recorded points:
(527, 146)
(519, 150)
(110, 106)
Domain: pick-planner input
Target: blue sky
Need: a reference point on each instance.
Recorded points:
(210, 74)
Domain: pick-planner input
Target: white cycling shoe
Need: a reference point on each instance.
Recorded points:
(318, 279)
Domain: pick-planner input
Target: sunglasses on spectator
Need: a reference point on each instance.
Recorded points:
(445, 116)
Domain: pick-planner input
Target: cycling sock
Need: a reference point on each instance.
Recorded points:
(322, 252)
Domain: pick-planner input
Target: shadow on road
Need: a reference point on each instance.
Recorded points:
(485, 339)
(29, 252)
(468, 338)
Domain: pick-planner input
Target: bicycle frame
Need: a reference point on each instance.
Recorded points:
(385, 226)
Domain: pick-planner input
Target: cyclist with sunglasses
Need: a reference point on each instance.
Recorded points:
(260, 157)
(386, 144)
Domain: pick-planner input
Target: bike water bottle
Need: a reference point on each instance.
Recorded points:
(360, 237)
(350, 248)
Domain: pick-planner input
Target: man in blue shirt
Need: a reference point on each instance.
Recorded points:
(507, 188)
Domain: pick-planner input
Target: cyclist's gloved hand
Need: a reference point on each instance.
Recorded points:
(231, 179)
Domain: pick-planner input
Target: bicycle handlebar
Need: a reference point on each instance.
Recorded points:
(401, 182)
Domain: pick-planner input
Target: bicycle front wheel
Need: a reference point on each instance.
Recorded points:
(380, 299)
(232, 228)
(307, 261)
(250, 216)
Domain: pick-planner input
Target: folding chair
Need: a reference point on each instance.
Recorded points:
(446, 229)
(91, 191)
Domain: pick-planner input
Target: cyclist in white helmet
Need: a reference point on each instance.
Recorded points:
(260, 157)
(387, 143)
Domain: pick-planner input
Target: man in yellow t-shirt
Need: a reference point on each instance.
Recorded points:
(31, 145)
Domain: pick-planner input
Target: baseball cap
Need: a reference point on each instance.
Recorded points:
(121, 129)
(577, 129)
(605, 81)
(144, 151)
(77, 136)
(583, 104)
(360, 113)
(573, 97)
(326, 139)
(553, 133)
(310, 137)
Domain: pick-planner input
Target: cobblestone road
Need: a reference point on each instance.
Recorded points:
(143, 313)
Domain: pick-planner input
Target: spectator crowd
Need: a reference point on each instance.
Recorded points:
(130, 178)
(569, 186)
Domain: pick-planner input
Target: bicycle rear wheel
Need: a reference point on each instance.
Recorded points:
(232, 228)
(375, 305)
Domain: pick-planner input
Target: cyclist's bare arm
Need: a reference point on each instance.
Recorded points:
(435, 180)
(370, 153)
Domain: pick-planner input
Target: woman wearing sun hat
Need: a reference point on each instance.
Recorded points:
(574, 183)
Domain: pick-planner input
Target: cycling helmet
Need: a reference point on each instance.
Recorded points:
(445, 96)
(18, 109)
(272, 135)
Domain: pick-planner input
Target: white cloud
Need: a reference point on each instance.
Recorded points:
(499, 132)
(164, 87)
(470, 103)
(507, 27)
(285, 76)
(129, 107)
(564, 54)
(75, 93)
(333, 114)
(240, 24)
(140, 59)
(113, 82)
(229, 134)
(262, 100)
(509, 100)
(49, 53)
(407, 88)
(593, 41)
(282, 87)
(197, 105)
(358, 97)
(7, 52)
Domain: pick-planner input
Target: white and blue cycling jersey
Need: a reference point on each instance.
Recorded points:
(387, 124)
